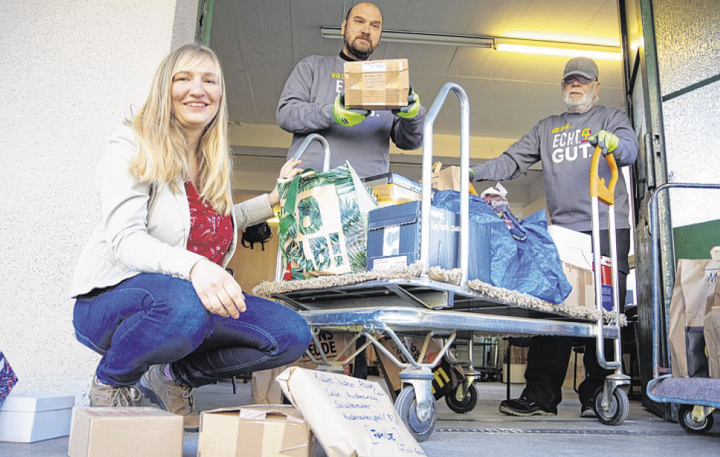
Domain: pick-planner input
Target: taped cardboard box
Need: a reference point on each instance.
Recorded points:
(29, 417)
(377, 84)
(254, 431)
(121, 432)
(349, 416)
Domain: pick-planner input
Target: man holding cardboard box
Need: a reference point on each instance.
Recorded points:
(565, 144)
(313, 101)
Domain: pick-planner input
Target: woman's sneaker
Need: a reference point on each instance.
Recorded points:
(524, 407)
(169, 396)
(106, 395)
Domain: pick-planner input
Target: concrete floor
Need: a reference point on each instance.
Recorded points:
(485, 431)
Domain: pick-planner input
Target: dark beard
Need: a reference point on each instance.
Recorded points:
(360, 54)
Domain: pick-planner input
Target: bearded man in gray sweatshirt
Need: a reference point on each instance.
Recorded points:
(312, 102)
(565, 144)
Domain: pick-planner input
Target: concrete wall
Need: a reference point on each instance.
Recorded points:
(72, 70)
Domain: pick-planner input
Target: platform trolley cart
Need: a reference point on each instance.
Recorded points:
(696, 398)
(425, 308)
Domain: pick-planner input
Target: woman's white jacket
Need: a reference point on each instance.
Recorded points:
(144, 230)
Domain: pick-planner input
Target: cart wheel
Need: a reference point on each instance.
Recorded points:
(619, 407)
(406, 406)
(691, 425)
(464, 405)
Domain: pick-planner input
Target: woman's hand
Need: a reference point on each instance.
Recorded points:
(288, 171)
(218, 291)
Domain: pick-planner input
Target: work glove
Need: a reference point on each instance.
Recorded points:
(607, 141)
(412, 109)
(347, 117)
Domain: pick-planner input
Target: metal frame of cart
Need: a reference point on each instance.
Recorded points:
(427, 308)
(697, 397)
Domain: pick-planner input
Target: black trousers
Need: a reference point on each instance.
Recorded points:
(549, 356)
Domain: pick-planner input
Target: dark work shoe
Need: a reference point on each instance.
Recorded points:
(524, 408)
(588, 411)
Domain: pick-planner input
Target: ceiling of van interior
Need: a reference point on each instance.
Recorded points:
(260, 41)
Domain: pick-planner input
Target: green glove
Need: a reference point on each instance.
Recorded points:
(412, 109)
(606, 140)
(347, 117)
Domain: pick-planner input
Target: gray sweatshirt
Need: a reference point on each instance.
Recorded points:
(560, 143)
(305, 107)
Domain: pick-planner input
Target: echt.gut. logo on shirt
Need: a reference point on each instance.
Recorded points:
(570, 145)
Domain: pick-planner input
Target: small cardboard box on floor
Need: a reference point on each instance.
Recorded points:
(349, 416)
(121, 432)
(254, 431)
(377, 84)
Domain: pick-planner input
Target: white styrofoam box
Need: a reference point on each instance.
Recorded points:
(29, 417)
(574, 247)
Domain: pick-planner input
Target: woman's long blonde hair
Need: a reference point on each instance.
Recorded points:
(162, 152)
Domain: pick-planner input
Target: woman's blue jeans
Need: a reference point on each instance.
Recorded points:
(155, 318)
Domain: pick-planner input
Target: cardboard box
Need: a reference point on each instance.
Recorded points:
(28, 417)
(575, 374)
(254, 431)
(393, 189)
(332, 344)
(120, 432)
(392, 194)
(581, 280)
(391, 371)
(518, 354)
(377, 84)
(394, 240)
(574, 247)
(575, 251)
(349, 416)
(517, 373)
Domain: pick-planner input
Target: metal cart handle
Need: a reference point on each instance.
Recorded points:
(306, 142)
(597, 184)
(279, 266)
(464, 173)
(600, 193)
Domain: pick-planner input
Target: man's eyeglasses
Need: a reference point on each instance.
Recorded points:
(581, 79)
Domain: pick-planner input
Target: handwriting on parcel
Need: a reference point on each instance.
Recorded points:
(349, 416)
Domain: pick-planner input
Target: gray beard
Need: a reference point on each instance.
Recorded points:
(580, 106)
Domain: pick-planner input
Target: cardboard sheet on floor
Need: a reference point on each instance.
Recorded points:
(349, 416)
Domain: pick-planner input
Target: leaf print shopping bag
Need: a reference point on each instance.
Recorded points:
(323, 222)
